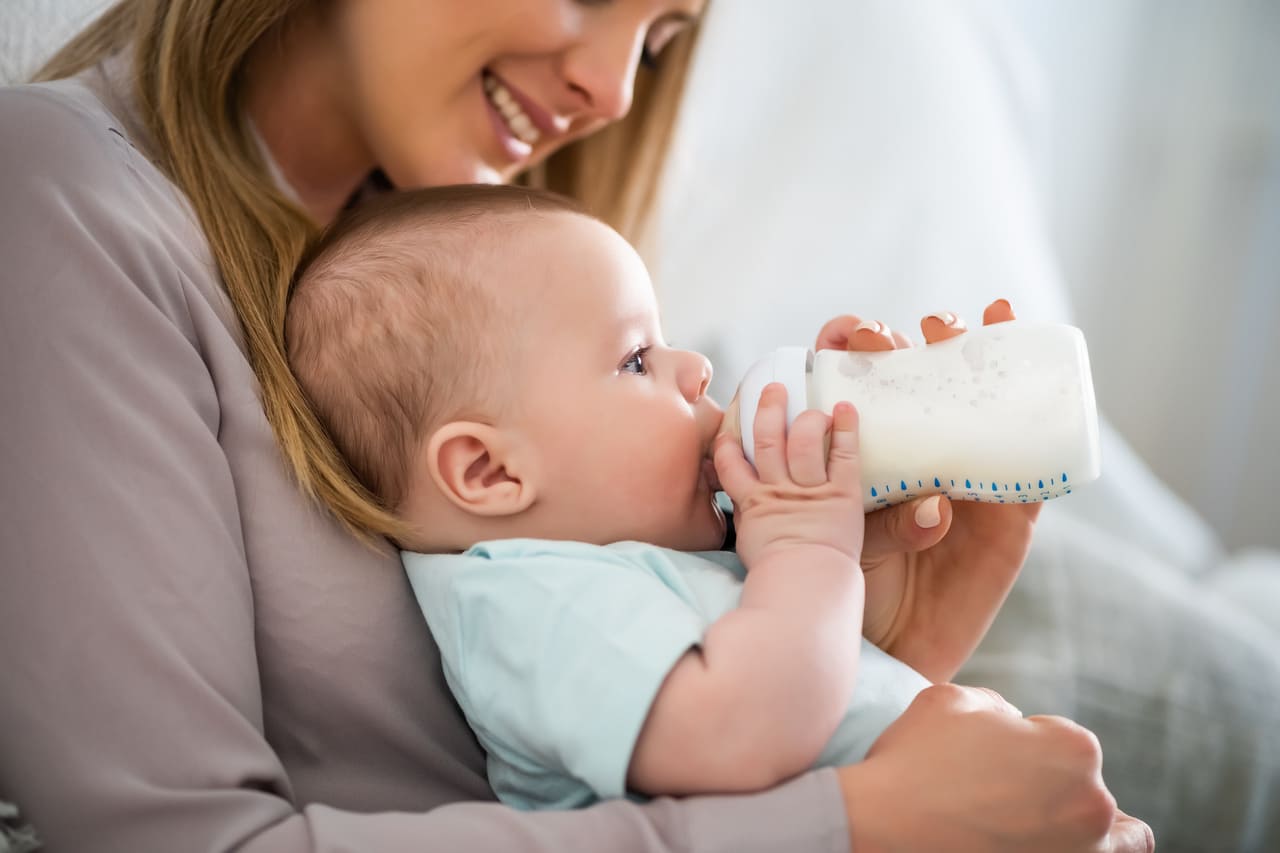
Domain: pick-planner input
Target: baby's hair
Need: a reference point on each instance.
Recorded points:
(391, 328)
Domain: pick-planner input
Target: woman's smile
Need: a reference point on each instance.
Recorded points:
(520, 123)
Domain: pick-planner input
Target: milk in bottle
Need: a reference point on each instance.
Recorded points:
(1004, 413)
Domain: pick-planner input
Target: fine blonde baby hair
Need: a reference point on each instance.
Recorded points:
(392, 328)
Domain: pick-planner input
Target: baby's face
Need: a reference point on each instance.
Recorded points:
(619, 421)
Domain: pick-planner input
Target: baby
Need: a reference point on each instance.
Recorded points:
(490, 362)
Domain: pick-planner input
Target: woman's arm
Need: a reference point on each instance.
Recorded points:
(131, 717)
(757, 702)
(962, 770)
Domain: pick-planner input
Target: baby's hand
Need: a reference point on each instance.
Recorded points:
(800, 494)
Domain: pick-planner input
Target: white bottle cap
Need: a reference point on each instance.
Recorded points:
(788, 365)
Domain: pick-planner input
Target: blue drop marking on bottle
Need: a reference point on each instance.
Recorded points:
(968, 485)
(902, 484)
(953, 482)
(1017, 487)
(1042, 484)
(1064, 476)
(937, 482)
(920, 483)
(993, 487)
(873, 491)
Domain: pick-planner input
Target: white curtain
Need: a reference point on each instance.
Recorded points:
(1114, 162)
(1163, 163)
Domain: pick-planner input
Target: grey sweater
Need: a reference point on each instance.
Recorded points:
(192, 657)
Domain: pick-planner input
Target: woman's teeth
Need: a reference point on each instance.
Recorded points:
(517, 120)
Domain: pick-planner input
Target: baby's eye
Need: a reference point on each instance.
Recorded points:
(635, 362)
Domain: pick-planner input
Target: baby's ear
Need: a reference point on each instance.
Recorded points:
(475, 467)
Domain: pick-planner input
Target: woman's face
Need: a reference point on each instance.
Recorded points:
(474, 91)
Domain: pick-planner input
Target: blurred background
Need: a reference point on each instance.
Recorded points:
(1160, 158)
(1127, 150)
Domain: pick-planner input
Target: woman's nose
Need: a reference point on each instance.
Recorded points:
(694, 375)
(601, 70)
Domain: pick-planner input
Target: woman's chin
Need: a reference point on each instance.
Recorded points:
(469, 171)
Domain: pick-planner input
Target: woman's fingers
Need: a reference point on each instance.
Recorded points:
(1129, 835)
(906, 527)
(850, 332)
(806, 448)
(837, 333)
(945, 324)
(999, 703)
(941, 326)
(999, 311)
(872, 336)
(966, 698)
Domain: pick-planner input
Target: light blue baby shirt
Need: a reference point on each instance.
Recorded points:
(556, 650)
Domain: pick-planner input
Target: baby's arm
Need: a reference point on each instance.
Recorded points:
(757, 702)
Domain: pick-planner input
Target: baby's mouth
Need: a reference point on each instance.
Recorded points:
(710, 475)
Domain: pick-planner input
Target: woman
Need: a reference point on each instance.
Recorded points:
(212, 661)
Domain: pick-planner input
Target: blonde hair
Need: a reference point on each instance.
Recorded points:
(395, 328)
(187, 61)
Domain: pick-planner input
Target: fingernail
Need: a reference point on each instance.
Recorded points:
(873, 326)
(927, 514)
(949, 319)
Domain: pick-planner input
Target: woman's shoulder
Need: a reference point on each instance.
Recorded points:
(61, 124)
(82, 139)
(75, 184)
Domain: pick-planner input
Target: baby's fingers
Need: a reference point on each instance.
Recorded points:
(770, 434)
(732, 468)
(843, 464)
(806, 451)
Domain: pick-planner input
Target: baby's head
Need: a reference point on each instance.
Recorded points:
(489, 361)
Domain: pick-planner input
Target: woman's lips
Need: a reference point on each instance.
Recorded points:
(515, 149)
(519, 122)
(541, 122)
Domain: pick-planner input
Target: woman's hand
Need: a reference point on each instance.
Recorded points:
(962, 770)
(936, 571)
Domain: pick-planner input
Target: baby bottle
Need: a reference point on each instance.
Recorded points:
(1003, 413)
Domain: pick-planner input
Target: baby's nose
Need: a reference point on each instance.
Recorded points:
(695, 375)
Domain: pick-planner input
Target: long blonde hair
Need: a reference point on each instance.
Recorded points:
(187, 62)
